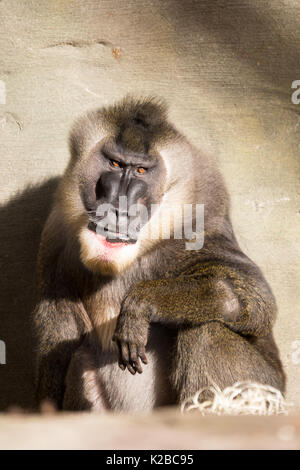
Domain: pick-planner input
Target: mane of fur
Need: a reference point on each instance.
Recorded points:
(148, 114)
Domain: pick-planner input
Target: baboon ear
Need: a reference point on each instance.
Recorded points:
(85, 133)
(73, 146)
(77, 138)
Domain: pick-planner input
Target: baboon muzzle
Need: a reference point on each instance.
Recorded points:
(114, 216)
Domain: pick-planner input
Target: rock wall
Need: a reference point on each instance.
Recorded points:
(226, 68)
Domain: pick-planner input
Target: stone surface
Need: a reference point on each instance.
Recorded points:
(161, 430)
(226, 68)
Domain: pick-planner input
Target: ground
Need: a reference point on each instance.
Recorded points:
(166, 429)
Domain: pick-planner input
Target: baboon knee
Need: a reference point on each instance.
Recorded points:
(83, 390)
(228, 301)
(212, 354)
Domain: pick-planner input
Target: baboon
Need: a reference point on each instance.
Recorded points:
(112, 304)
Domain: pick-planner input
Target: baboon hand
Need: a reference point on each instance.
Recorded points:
(131, 335)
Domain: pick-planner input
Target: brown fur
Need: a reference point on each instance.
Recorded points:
(205, 316)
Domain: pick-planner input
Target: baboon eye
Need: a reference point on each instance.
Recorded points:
(141, 170)
(115, 164)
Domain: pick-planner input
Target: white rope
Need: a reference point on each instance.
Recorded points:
(242, 398)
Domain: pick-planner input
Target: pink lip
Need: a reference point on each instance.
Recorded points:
(108, 244)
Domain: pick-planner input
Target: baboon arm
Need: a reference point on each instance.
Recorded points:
(59, 332)
(241, 301)
(244, 303)
(59, 319)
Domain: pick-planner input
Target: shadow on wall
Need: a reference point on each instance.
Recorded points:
(21, 222)
(262, 38)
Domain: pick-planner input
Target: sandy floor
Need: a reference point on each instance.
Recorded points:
(162, 430)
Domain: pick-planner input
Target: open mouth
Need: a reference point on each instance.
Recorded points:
(110, 236)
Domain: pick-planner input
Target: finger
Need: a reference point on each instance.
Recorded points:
(134, 357)
(133, 352)
(131, 369)
(142, 354)
(125, 353)
(120, 361)
(137, 366)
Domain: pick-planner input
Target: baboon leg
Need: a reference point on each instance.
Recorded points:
(213, 354)
(83, 388)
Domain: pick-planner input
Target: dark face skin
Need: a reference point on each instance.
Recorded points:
(113, 172)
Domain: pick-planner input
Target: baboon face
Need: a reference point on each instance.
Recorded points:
(116, 185)
(122, 181)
